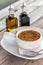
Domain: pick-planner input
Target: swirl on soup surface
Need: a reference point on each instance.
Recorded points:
(29, 35)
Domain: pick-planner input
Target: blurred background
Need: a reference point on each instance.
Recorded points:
(4, 3)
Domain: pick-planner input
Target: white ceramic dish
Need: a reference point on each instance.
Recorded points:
(29, 44)
(13, 47)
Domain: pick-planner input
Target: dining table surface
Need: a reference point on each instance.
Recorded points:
(9, 59)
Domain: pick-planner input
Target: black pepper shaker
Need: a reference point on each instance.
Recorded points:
(24, 18)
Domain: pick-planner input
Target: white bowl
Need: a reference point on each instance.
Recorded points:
(28, 44)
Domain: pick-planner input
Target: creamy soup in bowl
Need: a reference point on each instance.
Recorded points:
(29, 35)
(29, 38)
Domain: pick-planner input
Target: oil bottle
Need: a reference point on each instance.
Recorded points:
(11, 21)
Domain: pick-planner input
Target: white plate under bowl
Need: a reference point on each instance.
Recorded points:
(13, 49)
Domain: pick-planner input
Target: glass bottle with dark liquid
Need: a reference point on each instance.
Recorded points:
(24, 18)
(11, 22)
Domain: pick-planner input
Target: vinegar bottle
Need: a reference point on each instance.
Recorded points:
(24, 18)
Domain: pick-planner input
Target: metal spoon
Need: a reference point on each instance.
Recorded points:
(32, 53)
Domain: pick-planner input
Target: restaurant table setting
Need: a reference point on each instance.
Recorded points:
(20, 48)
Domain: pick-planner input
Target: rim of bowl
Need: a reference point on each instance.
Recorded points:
(25, 30)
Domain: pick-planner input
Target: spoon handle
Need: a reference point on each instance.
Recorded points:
(37, 52)
(40, 51)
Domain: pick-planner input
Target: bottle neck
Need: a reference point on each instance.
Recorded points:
(11, 11)
(23, 7)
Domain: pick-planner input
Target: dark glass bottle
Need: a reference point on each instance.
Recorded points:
(24, 18)
(11, 22)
